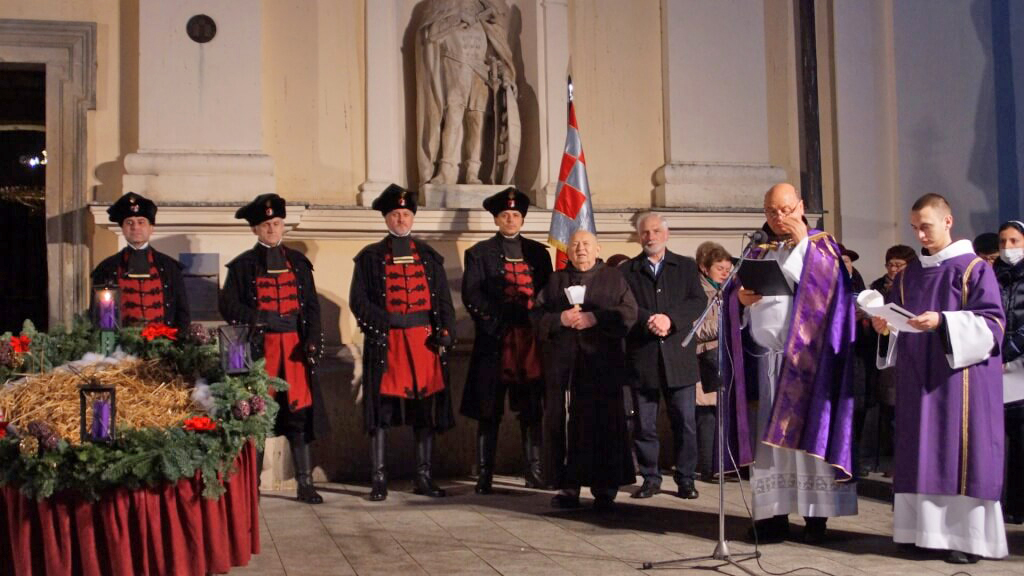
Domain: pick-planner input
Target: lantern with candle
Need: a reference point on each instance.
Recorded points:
(98, 412)
(235, 348)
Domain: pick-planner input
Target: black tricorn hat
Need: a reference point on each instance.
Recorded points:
(508, 199)
(132, 204)
(394, 197)
(262, 208)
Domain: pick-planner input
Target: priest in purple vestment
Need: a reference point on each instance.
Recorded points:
(948, 475)
(789, 358)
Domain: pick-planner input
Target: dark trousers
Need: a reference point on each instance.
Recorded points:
(1014, 487)
(681, 404)
(706, 432)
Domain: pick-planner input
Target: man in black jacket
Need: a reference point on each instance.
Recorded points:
(272, 285)
(401, 300)
(670, 298)
(499, 287)
(152, 288)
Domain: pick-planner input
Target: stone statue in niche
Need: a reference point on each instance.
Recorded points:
(465, 78)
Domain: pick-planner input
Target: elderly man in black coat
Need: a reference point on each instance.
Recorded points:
(584, 314)
(504, 274)
(272, 285)
(670, 298)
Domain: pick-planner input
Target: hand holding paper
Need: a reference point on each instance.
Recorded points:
(873, 303)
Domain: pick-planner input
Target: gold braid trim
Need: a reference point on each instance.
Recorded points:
(965, 409)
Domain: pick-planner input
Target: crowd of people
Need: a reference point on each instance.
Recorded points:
(584, 357)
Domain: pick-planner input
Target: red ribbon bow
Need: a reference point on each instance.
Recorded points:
(154, 331)
(200, 424)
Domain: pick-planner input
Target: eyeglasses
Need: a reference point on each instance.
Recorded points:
(896, 265)
(781, 212)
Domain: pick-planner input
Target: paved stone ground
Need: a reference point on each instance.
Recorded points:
(516, 532)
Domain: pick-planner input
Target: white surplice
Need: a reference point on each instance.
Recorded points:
(785, 481)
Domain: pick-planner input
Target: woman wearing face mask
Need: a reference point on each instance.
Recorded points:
(1010, 272)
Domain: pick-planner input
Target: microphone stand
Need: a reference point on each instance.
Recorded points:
(721, 551)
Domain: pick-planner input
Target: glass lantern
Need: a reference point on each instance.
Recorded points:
(235, 348)
(97, 412)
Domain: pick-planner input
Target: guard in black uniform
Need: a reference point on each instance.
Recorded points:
(503, 275)
(152, 288)
(401, 300)
(272, 285)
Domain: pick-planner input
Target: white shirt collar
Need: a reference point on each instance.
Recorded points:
(958, 248)
(143, 247)
(267, 245)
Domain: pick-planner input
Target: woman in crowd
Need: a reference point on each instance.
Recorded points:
(896, 259)
(1010, 272)
(714, 263)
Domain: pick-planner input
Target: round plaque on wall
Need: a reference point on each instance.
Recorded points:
(201, 28)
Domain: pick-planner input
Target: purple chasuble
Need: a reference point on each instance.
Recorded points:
(949, 422)
(813, 407)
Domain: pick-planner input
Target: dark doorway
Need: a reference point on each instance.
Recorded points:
(23, 280)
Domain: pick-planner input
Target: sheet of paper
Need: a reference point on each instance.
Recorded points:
(575, 294)
(873, 303)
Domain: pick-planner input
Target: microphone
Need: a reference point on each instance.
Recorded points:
(758, 237)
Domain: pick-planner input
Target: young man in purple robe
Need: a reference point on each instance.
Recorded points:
(949, 403)
(789, 359)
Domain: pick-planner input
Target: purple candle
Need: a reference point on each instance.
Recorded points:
(101, 420)
(236, 356)
(108, 317)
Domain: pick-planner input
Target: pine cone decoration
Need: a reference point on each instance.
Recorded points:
(50, 441)
(258, 404)
(241, 410)
(29, 446)
(198, 334)
(39, 429)
(6, 354)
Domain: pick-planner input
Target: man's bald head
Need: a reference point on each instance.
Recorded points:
(780, 202)
(583, 250)
(782, 193)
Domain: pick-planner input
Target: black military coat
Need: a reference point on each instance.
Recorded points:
(238, 304)
(677, 293)
(483, 285)
(367, 298)
(176, 311)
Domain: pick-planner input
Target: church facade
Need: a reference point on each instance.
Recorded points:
(691, 107)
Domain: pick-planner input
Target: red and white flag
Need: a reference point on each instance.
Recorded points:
(573, 209)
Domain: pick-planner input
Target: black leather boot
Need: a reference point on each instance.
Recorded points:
(378, 455)
(531, 454)
(423, 483)
(486, 442)
(304, 472)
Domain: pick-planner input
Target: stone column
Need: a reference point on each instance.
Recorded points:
(716, 106)
(552, 93)
(384, 89)
(200, 108)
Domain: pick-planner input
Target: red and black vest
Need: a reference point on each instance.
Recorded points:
(413, 365)
(520, 358)
(279, 293)
(142, 296)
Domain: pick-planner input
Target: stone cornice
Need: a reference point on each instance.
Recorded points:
(319, 222)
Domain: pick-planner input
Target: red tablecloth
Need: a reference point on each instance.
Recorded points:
(167, 530)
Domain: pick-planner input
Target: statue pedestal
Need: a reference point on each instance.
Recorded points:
(459, 195)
